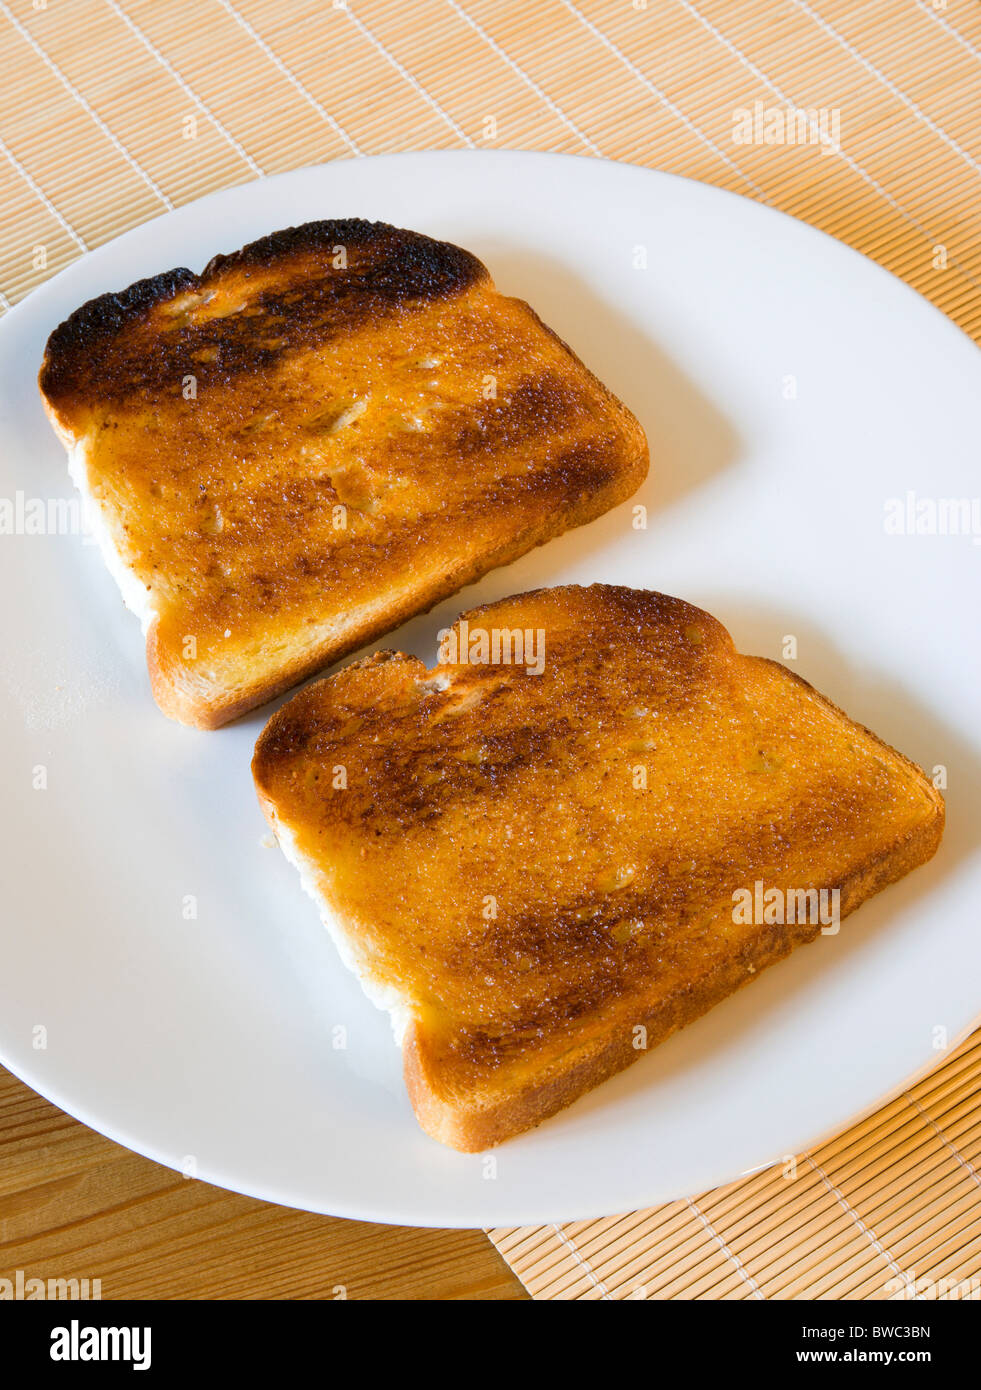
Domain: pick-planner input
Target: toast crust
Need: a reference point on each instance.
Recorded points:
(475, 1126)
(109, 349)
(316, 438)
(471, 785)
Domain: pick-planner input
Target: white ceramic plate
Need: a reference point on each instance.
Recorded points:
(789, 388)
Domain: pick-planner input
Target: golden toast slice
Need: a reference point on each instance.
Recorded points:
(545, 867)
(316, 438)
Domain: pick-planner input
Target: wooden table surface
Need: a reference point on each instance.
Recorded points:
(73, 1204)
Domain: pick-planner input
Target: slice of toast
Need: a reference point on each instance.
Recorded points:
(543, 874)
(314, 439)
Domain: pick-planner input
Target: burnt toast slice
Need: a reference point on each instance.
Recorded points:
(317, 437)
(543, 866)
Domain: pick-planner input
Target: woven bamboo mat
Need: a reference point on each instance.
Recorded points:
(891, 1209)
(116, 110)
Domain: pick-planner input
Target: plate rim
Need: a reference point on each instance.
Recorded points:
(34, 302)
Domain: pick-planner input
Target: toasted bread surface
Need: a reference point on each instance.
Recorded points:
(317, 437)
(537, 865)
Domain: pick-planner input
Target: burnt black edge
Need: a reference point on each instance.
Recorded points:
(106, 315)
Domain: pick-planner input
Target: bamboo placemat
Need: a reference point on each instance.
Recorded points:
(117, 110)
(891, 1209)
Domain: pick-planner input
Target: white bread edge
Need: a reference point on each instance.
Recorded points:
(383, 996)
(134, 595)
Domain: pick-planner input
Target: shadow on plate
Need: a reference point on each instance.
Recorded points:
(690, 439)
